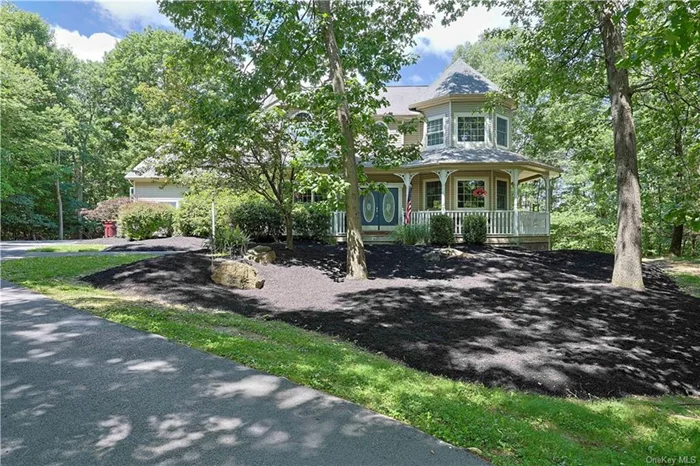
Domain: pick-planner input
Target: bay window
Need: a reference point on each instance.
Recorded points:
(435, 132)
(471, 129)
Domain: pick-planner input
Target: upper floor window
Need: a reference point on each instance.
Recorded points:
(501, 131)
(435, 132)
(470, 129)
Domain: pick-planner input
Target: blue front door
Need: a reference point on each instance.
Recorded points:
(380, 209)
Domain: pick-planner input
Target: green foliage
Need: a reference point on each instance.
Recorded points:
(231, 241)
(474, 229)
(260, 219)
(414, 233)
(142, 220)
(574, 229)
(193, 217)
(311, 221)
(20, 220)
(106, 211)
(442, 230)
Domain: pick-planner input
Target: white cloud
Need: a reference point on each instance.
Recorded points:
(132, 13)
(441, 40)
(415, 79)
(85, 48)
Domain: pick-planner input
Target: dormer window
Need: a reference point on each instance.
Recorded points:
(435, 132)
(502, 131)
(471, 129)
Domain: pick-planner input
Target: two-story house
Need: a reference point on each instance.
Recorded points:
(466, 166)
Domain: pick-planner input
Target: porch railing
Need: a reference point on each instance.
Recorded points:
(498, 222)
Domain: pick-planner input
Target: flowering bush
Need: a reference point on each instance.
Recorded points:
(105, 211)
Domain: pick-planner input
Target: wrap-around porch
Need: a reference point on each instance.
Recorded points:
(456, 192)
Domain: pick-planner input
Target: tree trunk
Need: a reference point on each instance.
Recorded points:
(357, 265)
(676, 248)
(60, 208)
(289, 227)
(628, 246)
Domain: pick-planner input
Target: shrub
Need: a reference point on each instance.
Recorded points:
(417, 233)
(230, 241)
(441, 230)
(260, 219)
(20, 219)
(474, 229)
(311, 221)
(106, 211)
(142, 220)
(193, 217)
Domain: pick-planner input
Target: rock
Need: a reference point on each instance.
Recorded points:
(235, 274)
(436, 255)
(261, 255)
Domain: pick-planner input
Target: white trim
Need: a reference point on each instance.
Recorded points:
(471, 144)
(435, 180)
(495, 131)
(487, 187)
(444, 131)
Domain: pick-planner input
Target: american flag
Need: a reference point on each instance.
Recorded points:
(407, 220)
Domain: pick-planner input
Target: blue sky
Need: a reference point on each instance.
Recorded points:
(91, 28)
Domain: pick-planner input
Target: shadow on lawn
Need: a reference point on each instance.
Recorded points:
(547, 322)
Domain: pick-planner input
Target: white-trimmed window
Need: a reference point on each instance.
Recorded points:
(501, 195)
(435, 132)
(502, 131)
(471, 129)
(472, 193)
(433, 195)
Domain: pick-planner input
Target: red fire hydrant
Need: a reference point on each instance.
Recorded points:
(110, 229)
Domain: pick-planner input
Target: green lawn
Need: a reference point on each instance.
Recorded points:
(71, 248)
(508, 428)
(688, 282)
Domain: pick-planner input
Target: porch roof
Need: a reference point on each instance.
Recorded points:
(481, 155)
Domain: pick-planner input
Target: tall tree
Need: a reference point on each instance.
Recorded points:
(574, 48)
(274, 51)
(356, 262)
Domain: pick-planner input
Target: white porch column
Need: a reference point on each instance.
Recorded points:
(514, 176)
(406, 178)
(443, 175)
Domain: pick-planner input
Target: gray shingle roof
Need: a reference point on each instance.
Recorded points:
(459, 78)
(452, 155)
(401, 97)
(143, 170)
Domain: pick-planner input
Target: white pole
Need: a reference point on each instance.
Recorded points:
(213, 219)
(516, 226)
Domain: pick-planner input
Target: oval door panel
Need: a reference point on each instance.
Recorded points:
(368, 207)
(389, 207)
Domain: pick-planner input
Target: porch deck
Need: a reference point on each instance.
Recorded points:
(500, 224)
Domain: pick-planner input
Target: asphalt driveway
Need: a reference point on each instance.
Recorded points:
(77, 389)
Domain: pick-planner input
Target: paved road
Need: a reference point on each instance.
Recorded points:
(77, 389)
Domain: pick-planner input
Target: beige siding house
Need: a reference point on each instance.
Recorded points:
(467, 166)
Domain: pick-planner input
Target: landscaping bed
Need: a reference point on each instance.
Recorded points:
(547, 322)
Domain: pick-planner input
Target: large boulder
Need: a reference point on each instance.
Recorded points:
(261, 255)
(236, 274)
(436, 255)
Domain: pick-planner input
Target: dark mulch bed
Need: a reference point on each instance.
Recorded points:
(547, 322)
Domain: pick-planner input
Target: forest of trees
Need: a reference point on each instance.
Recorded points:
(71, 129)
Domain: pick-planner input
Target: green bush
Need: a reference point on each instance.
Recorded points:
(578, 229)
(311, 221)
(474, 229)
(260, 219)
(441, 230)
(231, 241)
(416, 233)
(142, 220)
(193, 217)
